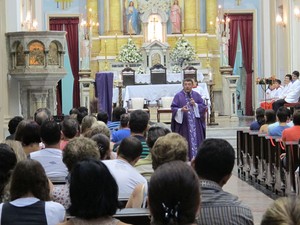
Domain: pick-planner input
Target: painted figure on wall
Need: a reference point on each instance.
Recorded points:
(175, 17)
(132, 16)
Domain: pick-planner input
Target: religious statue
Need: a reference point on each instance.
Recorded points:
(175, 17)
(224, 49)
(132, 19)
(85, 53)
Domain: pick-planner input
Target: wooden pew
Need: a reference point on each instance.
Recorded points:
(271, 146)
(243, 143)
(262, 159)
(278, 170)
(240, 147)
(135, 216)
(253, 154)
(292, 162)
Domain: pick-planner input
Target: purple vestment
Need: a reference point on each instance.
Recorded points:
(192, 127)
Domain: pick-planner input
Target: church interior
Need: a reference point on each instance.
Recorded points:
(62, 54)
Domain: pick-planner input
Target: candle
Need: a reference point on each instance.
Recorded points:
(105, 50)
(210, 76)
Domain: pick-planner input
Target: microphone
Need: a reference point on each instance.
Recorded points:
(189, 94)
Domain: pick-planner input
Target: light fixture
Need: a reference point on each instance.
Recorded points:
(223, 34)
(29, 24)
(279, 20)
(63, 3)
(297, 12)
(90, 21)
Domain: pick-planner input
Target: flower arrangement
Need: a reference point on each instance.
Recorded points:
(176, 69)
(129, 53)
(264, 80)
(183, 51)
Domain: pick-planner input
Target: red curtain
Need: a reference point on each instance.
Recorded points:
(58, 27)
(243, 23)
(233, 25)
(246, 33)
(70, 25)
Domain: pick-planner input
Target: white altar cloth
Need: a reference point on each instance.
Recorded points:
(155, 92)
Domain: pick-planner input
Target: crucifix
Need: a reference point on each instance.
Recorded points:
(238, 2)
(154, 21)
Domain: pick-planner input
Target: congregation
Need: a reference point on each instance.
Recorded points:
(53, 172)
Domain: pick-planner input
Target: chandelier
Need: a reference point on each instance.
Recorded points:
(63, 4)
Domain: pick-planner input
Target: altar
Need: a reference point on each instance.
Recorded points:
(155, 92)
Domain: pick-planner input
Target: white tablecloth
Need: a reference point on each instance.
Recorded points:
(155, 92)
(171, 77)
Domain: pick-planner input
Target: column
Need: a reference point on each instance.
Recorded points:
(114, 17)
(93, 4)
(190, 16)
(85, 88)
(232, 84)
(211, 14)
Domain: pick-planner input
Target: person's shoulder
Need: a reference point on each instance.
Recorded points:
(54, 205)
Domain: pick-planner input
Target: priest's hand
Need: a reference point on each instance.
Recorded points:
(184, 109)
(192, 102)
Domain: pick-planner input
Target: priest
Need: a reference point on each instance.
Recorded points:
(188, 116)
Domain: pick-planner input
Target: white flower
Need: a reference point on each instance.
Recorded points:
(129, 53)
(182, 51)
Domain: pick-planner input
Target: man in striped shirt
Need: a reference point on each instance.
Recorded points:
(214, 163)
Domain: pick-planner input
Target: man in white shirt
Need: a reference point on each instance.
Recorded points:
(51, 156)
(292, 95)
(122, 168)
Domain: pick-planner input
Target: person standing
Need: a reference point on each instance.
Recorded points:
(188, 116)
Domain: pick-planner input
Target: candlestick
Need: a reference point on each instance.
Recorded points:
(105, 53)
(116, 41)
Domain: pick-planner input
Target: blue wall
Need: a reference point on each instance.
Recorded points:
(77, 8)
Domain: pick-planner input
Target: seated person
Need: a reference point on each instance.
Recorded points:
(92, 200)
(75, 151)
(8, 161)
(286, 86)
(293, 133)
(102, 116)
(116, 116)
(171, 147)
(51, 156)
(103, 145)
(30, 197)
(123, 131)
(269, 97)
(283, 115)
(12, 126)
(270, 118)
(144, 166)
(122, 168)
(293, 94)
(69, 129)
(214, 164)
(174, 194)
(28, 133)
(260, 119)
(285, 210)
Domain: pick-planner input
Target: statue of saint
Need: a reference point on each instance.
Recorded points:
(85, 53)
(132, 19)
(224, 49)
(175, 17)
